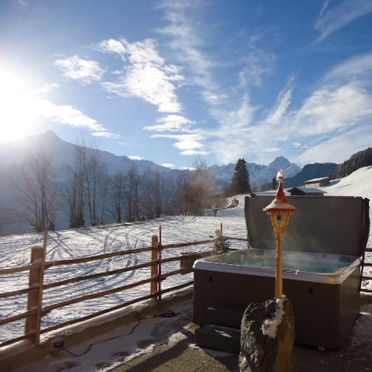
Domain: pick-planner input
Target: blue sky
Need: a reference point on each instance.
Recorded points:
(171, 80)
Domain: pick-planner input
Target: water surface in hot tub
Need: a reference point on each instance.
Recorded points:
(298, 265)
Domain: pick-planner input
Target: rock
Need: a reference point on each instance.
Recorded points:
(267, 337)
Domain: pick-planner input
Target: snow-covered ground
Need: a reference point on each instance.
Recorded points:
(15, 251)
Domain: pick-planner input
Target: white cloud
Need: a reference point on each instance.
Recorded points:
(47, 88)
(171, 123)
(339, 148)
(188, 144)
(340, 15)
(257, 64)
(168, 165)
(339, 107)
(283, 101)
(69, 115)
(187, 43)
(234, 136)
(112, 46)
(146, 75)
(355, 68)
(84, 70)
(330, 109)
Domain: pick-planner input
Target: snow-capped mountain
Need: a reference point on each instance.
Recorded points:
(259, 174)
(62, 153)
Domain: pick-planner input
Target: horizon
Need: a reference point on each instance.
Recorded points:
(174, 80)
(91, 146)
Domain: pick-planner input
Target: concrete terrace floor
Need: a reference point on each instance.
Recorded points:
(164, 341)
(181, 354)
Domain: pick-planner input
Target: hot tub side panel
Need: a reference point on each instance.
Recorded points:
(324, 313)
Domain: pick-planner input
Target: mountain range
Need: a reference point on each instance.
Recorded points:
(15, 156)
(62, 154)
(258, 174)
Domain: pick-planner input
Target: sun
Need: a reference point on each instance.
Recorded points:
(17, 107)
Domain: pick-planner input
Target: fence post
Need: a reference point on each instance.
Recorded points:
(35, 296)
(155, 266)
(159, 265)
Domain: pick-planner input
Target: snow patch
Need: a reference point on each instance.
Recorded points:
(270, 326)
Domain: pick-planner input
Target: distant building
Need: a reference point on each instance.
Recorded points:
(317, 182)
(305, 191)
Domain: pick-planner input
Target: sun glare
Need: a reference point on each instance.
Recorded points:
(17, 107)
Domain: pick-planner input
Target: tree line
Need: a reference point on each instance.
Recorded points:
(85, 193)
(356, 161)
(89, 195)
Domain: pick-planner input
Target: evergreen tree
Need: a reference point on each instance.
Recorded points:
(274, 183)
(240, 181)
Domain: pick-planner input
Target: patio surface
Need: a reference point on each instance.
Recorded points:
(355, 355)
(166, 342)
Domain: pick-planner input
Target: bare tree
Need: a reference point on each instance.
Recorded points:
(158, 184)
(152, 194)
(132, 193)
(195, 193)
(118, 192)
(94, 177)
(76, 188)
(37, 190)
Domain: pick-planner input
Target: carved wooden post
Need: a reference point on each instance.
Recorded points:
(35, 296)
(154, 266)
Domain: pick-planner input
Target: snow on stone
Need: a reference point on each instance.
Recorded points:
(270, 326)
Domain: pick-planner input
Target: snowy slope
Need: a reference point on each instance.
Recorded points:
(15, 251)
(358, 183)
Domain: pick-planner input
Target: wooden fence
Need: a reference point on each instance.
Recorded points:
(364, 265)
(35, 309)
(38, 265)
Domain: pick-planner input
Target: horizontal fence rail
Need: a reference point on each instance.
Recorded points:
(36, 310)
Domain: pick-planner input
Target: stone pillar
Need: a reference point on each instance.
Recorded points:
(267, 337)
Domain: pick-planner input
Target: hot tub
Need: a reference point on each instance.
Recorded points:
(321, 269)
(323, 289)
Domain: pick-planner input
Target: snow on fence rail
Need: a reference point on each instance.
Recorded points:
(36, 310)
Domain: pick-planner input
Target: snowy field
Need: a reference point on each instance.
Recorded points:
(15, 251)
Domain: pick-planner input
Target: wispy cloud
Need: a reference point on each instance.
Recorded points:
(333, 18)
(257, 64)
(334, 121)
(187, 43)
(171, 123)
(277, 113)
(356, 68)
(145, 75)
(228, 141)
(339, 147)
(84, 70)
(188, 144)
(331, 109)
(69, 115)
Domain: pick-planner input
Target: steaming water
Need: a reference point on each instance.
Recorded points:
(292, 261)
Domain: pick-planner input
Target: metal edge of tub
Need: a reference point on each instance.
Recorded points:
(338, 277)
